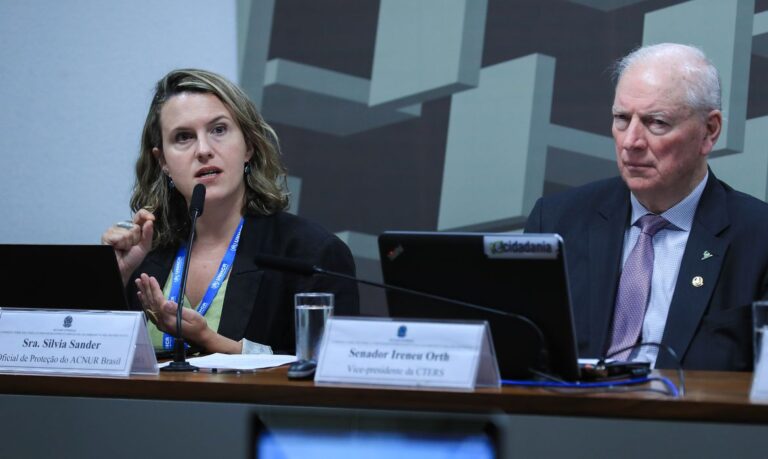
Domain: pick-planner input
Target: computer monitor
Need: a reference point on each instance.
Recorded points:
(522, 274)
(61, 277)
(302, 433)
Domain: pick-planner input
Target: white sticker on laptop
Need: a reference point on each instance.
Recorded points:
(528, 246)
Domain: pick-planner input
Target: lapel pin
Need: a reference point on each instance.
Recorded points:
(697, 281)
(706, 254)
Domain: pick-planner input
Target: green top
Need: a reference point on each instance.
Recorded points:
(213, 316)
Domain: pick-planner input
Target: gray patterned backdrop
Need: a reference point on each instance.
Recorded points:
(459, 114)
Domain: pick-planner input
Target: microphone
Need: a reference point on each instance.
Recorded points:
(180, 363)
(304, 268)
(291, 265)
(196, 203)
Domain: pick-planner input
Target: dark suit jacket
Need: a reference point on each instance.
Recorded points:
(709, 327)
(258, 303)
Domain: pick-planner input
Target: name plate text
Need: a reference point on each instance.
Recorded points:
(112, 343)
(407, 353)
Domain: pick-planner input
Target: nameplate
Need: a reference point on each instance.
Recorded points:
(392, 352)
(114, 343)
(759, 390)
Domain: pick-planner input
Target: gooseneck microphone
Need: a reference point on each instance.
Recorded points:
(180, 352)
(301, 267)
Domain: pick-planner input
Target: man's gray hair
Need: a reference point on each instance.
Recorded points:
(701, 77)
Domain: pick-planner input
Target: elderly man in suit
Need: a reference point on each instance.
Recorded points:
(667, 253)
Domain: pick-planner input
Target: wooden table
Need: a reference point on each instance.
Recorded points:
(715, 415)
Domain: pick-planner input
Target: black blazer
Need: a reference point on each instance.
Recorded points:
(258, 303)
(709, 327)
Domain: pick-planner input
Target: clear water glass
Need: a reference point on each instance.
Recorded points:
(760, 325)
(312, 312)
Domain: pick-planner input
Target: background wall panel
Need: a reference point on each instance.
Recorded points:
(370, 99)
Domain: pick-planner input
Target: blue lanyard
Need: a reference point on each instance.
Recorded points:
(213, 288)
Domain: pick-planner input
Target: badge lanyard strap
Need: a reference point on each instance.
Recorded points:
(213, 288)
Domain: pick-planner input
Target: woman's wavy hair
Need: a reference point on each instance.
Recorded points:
(265, 185)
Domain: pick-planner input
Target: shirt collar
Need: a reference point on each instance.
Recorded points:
(681, 214)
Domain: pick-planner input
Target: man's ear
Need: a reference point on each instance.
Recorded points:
(714, 125)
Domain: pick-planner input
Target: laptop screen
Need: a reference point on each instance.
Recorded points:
(523, 274)
(60, 277)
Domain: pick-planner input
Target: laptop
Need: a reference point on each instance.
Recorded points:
(61, 277)
(523, 274)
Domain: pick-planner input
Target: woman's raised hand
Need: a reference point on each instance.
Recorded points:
(132, 241)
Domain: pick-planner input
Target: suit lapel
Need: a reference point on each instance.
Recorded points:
(243, 285)
(158, 264)
(691, 298)
(606, 240)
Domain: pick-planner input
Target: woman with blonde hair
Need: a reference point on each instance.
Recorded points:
(203, 129)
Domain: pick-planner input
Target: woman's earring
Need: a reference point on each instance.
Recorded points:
(169, 181)
(247, 169)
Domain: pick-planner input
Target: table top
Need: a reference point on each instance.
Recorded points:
(710, 396)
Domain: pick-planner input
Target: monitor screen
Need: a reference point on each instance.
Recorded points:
(301, 444)
(299, 434)
(521, 274)
(61, 277)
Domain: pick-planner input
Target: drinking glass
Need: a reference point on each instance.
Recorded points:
(760, 325)
(312, 312)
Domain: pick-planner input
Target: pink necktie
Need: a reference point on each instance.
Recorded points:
(634, 288)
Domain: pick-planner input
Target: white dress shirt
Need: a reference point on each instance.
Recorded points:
(668, 247)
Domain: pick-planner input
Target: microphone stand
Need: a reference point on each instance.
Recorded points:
(543, 356)
(529, 322)
(304, 268)
(180, 363)
(409, 291)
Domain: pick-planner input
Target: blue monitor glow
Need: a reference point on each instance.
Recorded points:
(300, 444)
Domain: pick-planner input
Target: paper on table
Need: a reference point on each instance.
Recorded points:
(239, 362)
